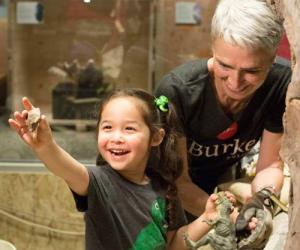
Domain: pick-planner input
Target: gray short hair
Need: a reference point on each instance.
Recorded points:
(247, 23)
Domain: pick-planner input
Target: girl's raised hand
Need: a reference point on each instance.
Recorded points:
(35, 139)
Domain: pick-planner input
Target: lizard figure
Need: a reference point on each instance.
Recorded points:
(261, 208)
(223, 236)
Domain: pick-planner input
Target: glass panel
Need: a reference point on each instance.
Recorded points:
(3, 78)
(65, 54)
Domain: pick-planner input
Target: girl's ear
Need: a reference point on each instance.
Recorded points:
(158, 137)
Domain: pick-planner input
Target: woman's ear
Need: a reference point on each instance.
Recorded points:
(158, 137)
(210, 65)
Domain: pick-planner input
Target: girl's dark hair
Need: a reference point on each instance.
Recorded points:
(168, 165)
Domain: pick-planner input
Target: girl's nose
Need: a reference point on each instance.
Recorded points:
(117, 137)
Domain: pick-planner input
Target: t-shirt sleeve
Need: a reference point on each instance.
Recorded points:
(82, 201)
(274, 122)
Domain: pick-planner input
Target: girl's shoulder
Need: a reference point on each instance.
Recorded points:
(101, 172)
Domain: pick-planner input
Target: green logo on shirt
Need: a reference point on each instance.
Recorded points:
(153, 236)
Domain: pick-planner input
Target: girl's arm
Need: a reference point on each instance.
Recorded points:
(195, 230)
(199, 227)
(42, 143)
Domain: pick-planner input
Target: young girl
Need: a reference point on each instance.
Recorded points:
(130, 202)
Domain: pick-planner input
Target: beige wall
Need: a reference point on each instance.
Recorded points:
(36, 211)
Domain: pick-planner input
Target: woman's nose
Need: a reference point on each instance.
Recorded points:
(235, 80)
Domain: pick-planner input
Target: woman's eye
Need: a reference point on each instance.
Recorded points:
(252, 72)
(224, 66)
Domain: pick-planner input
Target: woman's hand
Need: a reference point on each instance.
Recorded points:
(37, 139)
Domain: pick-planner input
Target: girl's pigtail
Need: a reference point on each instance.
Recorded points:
(170, 166)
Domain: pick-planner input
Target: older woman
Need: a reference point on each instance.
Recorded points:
(231, 101)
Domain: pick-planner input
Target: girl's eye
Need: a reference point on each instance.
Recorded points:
(106, 127)
(130, 128)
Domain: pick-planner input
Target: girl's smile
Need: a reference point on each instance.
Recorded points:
(118, 154)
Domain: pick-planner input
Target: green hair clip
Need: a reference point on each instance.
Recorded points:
(162, 103)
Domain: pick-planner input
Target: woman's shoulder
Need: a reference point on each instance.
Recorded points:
(278, 78)
(281, 72)
(186, 80)
(190, 71)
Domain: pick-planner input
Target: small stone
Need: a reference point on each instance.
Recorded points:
(33, 119)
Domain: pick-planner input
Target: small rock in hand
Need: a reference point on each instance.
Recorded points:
(33, 119)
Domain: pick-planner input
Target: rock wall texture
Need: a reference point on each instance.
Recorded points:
(37, 212)
(290, 11)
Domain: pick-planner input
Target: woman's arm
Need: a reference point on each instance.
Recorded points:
(269, 170)
(191, 196)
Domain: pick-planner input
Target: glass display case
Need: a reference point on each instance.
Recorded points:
(65, 55)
